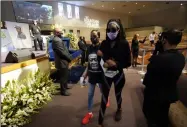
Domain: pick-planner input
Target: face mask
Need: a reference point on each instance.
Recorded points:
(60, 36)
(112, 36)
(94, 40)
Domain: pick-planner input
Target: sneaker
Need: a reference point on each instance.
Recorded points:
(87, 118)
(108, 103)
(118, 115)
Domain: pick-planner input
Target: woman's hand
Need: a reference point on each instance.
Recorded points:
(105, 65)
(111, 63)
(99, 53)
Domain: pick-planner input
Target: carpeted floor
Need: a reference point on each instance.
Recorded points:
(69, 111)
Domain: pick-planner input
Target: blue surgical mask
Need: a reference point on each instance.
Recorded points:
(112, 35)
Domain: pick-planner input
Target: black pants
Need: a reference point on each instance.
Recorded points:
(119, 82)
(83, 58)
(152, 42)
(63, 73)
(38, 38)
(156, 112)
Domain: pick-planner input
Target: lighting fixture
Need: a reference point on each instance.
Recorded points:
(113, 8)
(92, 3)
(129, 12)
(143, 5)
(102, 5)
(136, 3)
(181, 4)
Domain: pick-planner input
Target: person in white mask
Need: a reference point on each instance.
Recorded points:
(116, 56)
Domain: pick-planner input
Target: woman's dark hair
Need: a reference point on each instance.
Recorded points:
(121, 34)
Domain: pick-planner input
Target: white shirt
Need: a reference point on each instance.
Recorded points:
(152, 37)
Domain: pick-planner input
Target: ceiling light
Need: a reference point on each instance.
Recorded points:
(102, 5)
(181, 4)
(136, 3)
(129, 12)
(93, 4)
(113, 8)
(143, 5)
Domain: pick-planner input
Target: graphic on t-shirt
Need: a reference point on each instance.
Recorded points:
(94, 65)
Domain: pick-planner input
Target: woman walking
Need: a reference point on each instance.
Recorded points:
(116, 55)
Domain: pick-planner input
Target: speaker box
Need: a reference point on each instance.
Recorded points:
(18, 56)
(36, 54)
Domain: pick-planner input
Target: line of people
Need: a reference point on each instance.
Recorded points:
(163, 71)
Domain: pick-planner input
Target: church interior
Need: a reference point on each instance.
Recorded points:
(30, 88)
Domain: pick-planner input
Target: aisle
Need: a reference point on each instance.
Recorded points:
(68, 111)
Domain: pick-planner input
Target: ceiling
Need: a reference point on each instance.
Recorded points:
(129, 7)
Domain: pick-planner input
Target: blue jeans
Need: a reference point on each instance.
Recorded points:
(91, 92)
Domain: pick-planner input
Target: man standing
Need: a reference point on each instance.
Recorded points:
(62, 60)
(152, 38)
(36, 35)
(83, 48)
(158, 47)
(161, 78)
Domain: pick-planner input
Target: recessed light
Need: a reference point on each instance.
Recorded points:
(93, 4)
(136, 3)
(102, 5)
(181, 4)
(143, 5)
(113, 8)
(129, 12)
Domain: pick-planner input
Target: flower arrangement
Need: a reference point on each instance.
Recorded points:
(21, 99)
(73, 40)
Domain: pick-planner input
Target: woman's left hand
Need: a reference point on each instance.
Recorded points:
(111, 63)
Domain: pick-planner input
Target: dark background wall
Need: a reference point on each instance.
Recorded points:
(7, 12)
(172, 18)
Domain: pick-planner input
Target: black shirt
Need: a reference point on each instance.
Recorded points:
(35, 29)
(95, 72)
(162, 75)
(135, 44)
(82, 46)
(158, 48)
(119, 52)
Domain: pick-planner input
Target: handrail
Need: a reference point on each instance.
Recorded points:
(142, 72)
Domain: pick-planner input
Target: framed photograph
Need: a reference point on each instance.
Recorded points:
(20, 35)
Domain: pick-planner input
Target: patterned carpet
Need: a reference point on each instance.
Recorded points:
(68, 111)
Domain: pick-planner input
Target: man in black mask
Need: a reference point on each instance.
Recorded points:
(62, 60)
(161, 78)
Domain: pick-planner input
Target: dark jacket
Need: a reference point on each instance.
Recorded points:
(162, 75)
(120, 53)
(158, 48)
(82, 46)
(135, 45)
(61, 53)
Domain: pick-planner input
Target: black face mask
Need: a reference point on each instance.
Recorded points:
(94, 40)
(60, 36)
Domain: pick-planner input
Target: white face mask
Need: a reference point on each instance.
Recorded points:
(112, 36)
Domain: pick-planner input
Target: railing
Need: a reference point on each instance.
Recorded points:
(147, 53)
